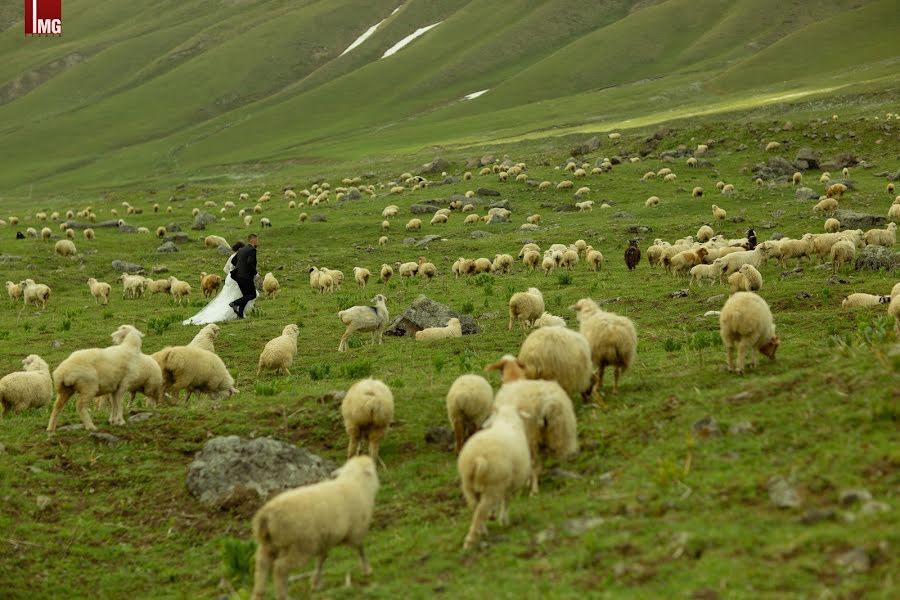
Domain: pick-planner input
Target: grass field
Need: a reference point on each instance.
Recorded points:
(673, 513)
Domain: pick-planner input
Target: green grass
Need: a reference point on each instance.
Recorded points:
(681, 515)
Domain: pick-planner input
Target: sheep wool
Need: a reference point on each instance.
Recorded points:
(469, 402)
(373, 319)
(746, 323)
(559, 354)
(28, 388)
(99, 290)
(196, 370)
(453, 329)
(37, 294)
(65, 248)
(278, 354)
(612, 339)
(548, 320)
(270, 285)
(860, 299)
(367, 410)
(206, 338)
(525, 307)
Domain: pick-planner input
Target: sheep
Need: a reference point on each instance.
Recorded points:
(670, 177)
(99, 290)
(383, 240)
(494, 463)
(746, 322)
(373, 319)
(746, 279)
(534, 219)
(425, 269)
(482, 265)
(565, 185)
(386, 273)
(96, 371)
(832, 225)
(894, 212)
(860, 299)
(414, 225)
(836, 189)
(544, 185)
(733, 262)
(684, 260)
(502, 263)
(894, 311)
(705, 233)
(788, 249)
(463, 266)
(594, 259)
(337, 277)
(407, 269)
(719, 213)
(265, 222)
(309, 521)
(194, 369)
(206, 338)
(31, 387)
(161, 232)
(843, 251)
(65, 248)
(615, 136)
(361, 275)
(453, 329)
(530, 259)
(14, 290)
(890, 189)
(46, 233)
(828, 206)
(37, 294)
(691, 162)
(469, 403)
(701, 272)
(560, 354)
(158, 286)
(147, 379)
(579, 173)
(651, 202)
(569, 259)
(649, 175)
(546, 411)
(525, 307)
(882, 237)
(797, 178)
(270, 286)
(612, 339)
(278, 354)
(248, 220)
(772, 146)
(89, 234)
(548, 263)
(179, 290)
(209, 284)
(587, 205)
(697, 192)
(133, 286)
(302, 217)
(548, 320)
(367, 410)
(728, 189)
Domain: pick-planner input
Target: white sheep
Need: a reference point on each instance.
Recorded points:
(89, 234)
(146, 379)
(99, 290)
(361, 275)
(278, 354)
(309, 521)
(652, 201)
(746, 322)
(367, 410)
(215, 241)
(860, 299)
(827, 205)
(745, 279)
(65, 248)
(549, 320)
(894, 311)
(882, 237)
(612, 339)
(179, 290)
(97, 371)
(832, 225)
(206, 338)
(37, 294)
(525, 307)
(701, 272)
(414, 225)
(387, 271)
(270, 286)
(14, 290)
(209, 283)
(558, 354)
(587, 205)
(719, 213)
(772, 146)
(453, 329)
(843, 251)
(383, 240)
(502, 263)
(469, 402)
(28, 388)
(194, 369)
(373, 319)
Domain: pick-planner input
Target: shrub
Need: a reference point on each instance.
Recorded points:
(318, 372)
(357, 369)
(238, 559)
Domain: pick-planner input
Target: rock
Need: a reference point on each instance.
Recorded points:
(557, 473)
(422, 209)
(500, 204)
(223, 250)
(495, 218)
(107, 438)
(807, 155)
(782, 494)
(9, 258)
(333, 397)
(529, 227)
(168, 247)
(202, 220)
(620, 214)
(427, 240)
(736, 219)
(741, 427)
(639, 229)
(680, 294)
(875, 258)
(873, 507)
(483, 191)
(586, 147)
(56, 344)
(855, 220)
(425, 312)
(139, 417)
(173, 227)
(777, 235)
(450, 180)
(712, 313)
(487, 159)
(122, 266)
(805, 193)
(127, 229)
(231, 471)
(478, 234)
(775, 167)
(43, 502)
(70, 427)
(436, 166)
(803, 296)
(817, 515)
(160, 269)
(473, 163)
(442, 437)
(706, 427)
(795, 272)
(178, 238)
(854, 496)
(409, 241)
(352, 194)
(854, 561)
(318, 219)
(562, 207)
(715, 299)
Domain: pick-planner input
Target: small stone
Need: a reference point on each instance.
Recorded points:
(706, 427)
(478, 234)
(679, 294)
(160, 269)
(741, 427)
(107, 438)
(805, 193)
(817, 515)
(854, 561)
(441, 437)
(854, 496)
(782, 494)
(139, 417)
(409, 241)
(56, 344)
(639, 229)
(43, 502)
(557, 473)
(619, 214)
(120, 266)
(168, 247)
(501, 204)
(495, 219)
(318, 219)
(873, 507)
(427, 240)
(715, 299)
(803, 295)
(796, 272)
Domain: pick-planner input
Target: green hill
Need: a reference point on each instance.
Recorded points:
(172, 89)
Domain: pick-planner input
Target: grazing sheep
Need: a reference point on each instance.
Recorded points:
(70, 234)
(728, 189)
(469, 403)
(843, 251)
(14, 290)
(836, 189)
(746, 322)
(46, 233)
(705, 233)
(482, 265)
(828, 205)
(425, 269)
(718, 213)
(65, 248)
(367, 409)
(373, 319)
(697, 192)
(437, 219)
(302, 217)
(206, 338)
(383, 240)
(548, 320)
(772, 146)
(278, 354)
(894, 212)
(890, 189)
(99, 290)
(594, 259)
(534, 219)
(453, 329)
(652, 201)
(560, 354)
(28, 388)
(612, 339)
(565, 185)
(248, 220)
(89, 234)
(882, 237)
(746, 279)
(797, 178)
(386, 273)
(161, 231)
(194, 369)
(361, 275)
(37, 294)
(860, 299)
(309, 521)
(525, 307)
(414, 225)
(97, 371)
(270, 286)
(832, 225)
(264, 222)
(733, 262)
(701, 272)
(158, 286)
(502, 263)
(530, 259)
(179, 290)
(587, 205)
(544, 185)
(210, 284)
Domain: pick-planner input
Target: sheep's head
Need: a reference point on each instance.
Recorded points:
(702, 253)
(358, 467)
(770, 347)
(291, 330)
(33, 362)
(585, 306)
(510, 368)
(119, 335)
(212, 330)
(379, 299)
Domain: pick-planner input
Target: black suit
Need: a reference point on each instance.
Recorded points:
(244, 262)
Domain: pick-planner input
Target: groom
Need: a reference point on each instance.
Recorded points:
(244, 262)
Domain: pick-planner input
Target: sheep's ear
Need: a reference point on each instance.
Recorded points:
(497, 366)
(524, 414)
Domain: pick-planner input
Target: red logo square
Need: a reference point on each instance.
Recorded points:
(43, 17)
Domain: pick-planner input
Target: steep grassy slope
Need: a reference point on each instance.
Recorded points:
(166, 88)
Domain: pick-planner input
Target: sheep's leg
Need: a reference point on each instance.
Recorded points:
(353, 446)
(741, 353)
(61, 398)
(616, 380)
(118, 400)
(375, 436)
(317, 574)
(342, 347)
(280, 570)
(600, 370)
(263, 570)
(363, 561)
(536, 469)
(509, 328)
(503, 518)
(478, 518)
(729, 356)
(83, 405)
(458, 434)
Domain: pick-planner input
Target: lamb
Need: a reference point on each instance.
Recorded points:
(705, 233)
(882, 237)
(37, 294)
(270, 286)
(797, 177)
(894, 213)
(367, 409)
(828, 205)
(279, 353)
(179, 290)
(746, 322)
(502, 263)
(133, 286)
(302, 217)
(407, 269)
(453, 329)
(414, 225)
(772, 146)
(158, 286)
(587, 205)
(469, 403)
(386, 273)
(248, 220)
(530, 259)
(701, 272)
(546, 412)
(194, 369)
(746, 279)
(859, 299)
(718, 213)
(365, 318)
(14, 290)
(383, 240)
(728, 189)
(65, 248)
(843, 251)
(161, 231)
(309, 521)
(832, 225)
(560, 354)
(99, 290)
(361, 275)
(96, 371)
(684, 260)
(494, 463)
(652, 201)
(548, 320)
(525, 307)
(691, 162)
(425, 269)
(28, 388)
(612, 339)
(206, 338)
(209, 284)
(544, 185)
(70, 233)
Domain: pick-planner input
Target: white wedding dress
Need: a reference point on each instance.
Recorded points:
(218, 310)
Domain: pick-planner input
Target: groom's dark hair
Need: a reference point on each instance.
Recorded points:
(252, 236)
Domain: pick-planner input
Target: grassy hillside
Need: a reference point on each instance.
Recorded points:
(165, 90)
(653, 506)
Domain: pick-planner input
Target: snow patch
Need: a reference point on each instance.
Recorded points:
(402, 43)
(368, 33)
(474, 95)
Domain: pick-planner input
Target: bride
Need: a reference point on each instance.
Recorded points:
(219, 309)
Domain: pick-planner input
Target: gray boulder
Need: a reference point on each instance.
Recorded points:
(855, 220)
(478, 234)
(168, 247)
(422, 209)
(501, 204)
(805, 193)
(586, 147)
(223, 250)
(497, 219)
(103, 224)
(202, 220)
(318, 219)
(173, 227)
(483, 191)
(231, 471)
(807, 155)
(352, 194)
(487, 159)
(127, 229)
(427, 240)
(123, 266)
(425, 312)
(178, 238)
(436, 166)
(875, 258)
(776, 167)
(9, 258)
